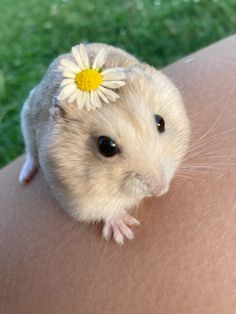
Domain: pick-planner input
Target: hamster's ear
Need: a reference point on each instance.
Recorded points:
(57, 111)
(62, 113)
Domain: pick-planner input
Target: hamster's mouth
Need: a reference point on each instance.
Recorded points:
(146, 188)
(157, 192)
(161, 192)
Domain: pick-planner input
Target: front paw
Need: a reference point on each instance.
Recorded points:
(119, 228)
(28, 170)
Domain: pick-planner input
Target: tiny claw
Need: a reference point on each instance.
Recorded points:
(119, 227)
(129, 220)
(126, 231)
(28, 170)
(118, 236)
(107, 231)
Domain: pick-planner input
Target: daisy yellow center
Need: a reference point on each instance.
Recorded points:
(88, 80)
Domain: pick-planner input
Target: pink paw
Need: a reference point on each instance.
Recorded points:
(119, 227)
(28, 170)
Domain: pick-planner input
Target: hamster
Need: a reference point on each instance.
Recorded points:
(101, 163)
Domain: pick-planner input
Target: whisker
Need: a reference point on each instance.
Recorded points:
(187, 177)
(205, 154)
(213, 125)
(209, 171)
(216, 156)
(212, 138)
(221, 150)
(218, 163)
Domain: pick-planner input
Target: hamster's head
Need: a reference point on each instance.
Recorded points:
(126, 150)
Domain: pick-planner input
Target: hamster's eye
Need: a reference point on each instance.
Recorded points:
(160, 122)
(107, 147)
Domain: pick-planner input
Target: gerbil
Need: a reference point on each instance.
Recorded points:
(147, 125)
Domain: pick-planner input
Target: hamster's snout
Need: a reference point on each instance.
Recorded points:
(153, 186)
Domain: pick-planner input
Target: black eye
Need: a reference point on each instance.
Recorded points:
(107, 147)
(160, 122)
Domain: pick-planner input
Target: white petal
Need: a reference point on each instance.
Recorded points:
(113, 84)
(112, 96)
(69, 65)
(68, 75)
(113, 74)
(61, 68)
(84, 101)
(77, 56)
(87, 101)
(99, 103)
(102, 96)
(62, 95)
(100, 59)
(72, 98)
(80, 99)
(64, 69)
(67, 91)
(67, 81)
(95, 101)
(84, 56)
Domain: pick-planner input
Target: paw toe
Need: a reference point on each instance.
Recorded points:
(28, 171)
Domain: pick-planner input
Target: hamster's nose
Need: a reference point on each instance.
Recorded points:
(157, 190)
(153, 187)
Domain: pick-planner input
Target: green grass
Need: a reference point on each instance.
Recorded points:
(33, 32)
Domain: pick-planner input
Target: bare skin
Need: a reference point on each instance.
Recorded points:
(183, 259)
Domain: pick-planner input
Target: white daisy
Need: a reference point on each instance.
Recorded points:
(87, 85)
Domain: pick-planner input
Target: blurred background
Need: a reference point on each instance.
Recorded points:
(34, 32)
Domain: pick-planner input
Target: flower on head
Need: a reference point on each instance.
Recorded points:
(88, 85)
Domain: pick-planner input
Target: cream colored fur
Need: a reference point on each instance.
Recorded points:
(63, 140)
